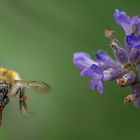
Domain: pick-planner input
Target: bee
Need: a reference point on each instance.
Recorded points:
(11, 85)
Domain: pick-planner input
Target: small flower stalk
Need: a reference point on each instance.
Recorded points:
(125, 69)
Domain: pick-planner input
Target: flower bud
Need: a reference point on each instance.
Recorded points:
(126, 79)
(134, 55)
(119, 52)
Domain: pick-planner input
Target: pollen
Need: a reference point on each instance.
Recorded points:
(109, 33)
(129, 99)
(122, 81)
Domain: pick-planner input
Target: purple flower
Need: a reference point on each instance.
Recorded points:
(83, 60)
(123, 20)
(125, 69)
(89, 68)
(97, 70)
(130, 25)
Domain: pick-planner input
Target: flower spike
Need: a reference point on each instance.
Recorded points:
(125, 69)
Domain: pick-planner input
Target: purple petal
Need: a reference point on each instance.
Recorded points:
(112, 74)
(135, 20)
(97, 69)
(97, 77)
(135, 24)
(116, 73)
(134, 55)
(133, 40)
(105, 61)
(93, 70)
(127, 48)
(83, 60)
(100, 87)
(93, 83)
(97, 83)
(124, 20)
(121, 56)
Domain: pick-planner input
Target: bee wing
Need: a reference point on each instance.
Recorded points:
(36, 85)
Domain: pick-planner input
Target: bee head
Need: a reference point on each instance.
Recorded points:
(4, 88)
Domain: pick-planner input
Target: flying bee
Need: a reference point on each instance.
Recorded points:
(12, 85)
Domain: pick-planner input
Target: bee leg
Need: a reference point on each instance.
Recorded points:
(25, 97)
(1, 110)
(22, 102)
(6, 101)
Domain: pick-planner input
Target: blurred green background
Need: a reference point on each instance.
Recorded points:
(38, 39)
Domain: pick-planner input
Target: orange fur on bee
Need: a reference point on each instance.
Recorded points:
(25, 97)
